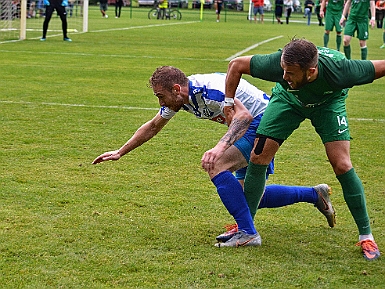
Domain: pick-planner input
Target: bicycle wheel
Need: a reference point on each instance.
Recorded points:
(153, 13)
(175, 14)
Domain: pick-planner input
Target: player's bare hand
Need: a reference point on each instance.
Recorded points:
(322, 14)
(107, 156)
(372, 23)
(210, 157)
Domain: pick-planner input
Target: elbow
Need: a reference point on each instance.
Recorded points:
(239, 65)
(234, 66)
(246, 116)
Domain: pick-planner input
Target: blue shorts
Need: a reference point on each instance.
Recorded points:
(257, 10)
(245, 145)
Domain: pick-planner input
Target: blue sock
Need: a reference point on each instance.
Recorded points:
(276, 196)
(231, 193)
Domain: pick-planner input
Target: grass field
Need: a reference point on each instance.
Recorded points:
(150, 219)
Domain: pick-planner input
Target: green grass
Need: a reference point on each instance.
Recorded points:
(150, 219)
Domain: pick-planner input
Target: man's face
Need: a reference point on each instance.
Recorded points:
(171, 99)
(294, 75)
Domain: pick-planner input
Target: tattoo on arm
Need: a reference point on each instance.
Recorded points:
(236, 129)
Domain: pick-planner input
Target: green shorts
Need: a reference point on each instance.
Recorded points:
(361, 27)
(331, 21)
(282, 117)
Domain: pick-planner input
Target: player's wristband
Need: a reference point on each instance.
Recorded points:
(229, 101)
(373, 18)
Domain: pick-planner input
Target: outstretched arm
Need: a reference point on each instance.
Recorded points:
(241, 119)
(237, 67)
(142, 135)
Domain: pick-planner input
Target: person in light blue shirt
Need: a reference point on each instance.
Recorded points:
(203, 95)
(60, 7)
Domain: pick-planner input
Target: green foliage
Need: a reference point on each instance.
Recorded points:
(150, 219)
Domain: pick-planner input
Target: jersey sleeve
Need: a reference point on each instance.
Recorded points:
(267, 66)
(354, 72)
(166, 113)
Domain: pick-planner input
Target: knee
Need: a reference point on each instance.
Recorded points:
(342, 167)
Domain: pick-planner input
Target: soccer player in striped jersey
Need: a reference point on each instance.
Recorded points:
(203, 95)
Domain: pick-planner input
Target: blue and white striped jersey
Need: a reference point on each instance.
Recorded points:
(207, 98)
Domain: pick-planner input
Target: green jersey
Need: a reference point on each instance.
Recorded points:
(335, 75)
(335, 7)
(359, 10)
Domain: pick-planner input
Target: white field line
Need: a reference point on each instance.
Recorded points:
(114, 29)
(102, 55)
(252, 47)
(144, 26)
(77, 105)
(125, 107)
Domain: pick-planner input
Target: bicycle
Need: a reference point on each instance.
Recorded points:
(169, 13)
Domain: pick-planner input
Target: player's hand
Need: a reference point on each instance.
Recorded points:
(210, 157)
(322, 14)
(372, 22)
(107, 156)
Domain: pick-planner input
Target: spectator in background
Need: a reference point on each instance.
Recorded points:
(40, 7)
(71, 4)
(380, 13)
(162, 6)
(60, 7)
(308, 10)
(218, 7)
(288, 9)
(278, 10)
(258, 8)
(103, 5)
(30, 8)
(317, 11)
(118, 8)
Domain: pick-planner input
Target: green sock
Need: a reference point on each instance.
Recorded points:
(364, 53)
(255, 181)
(326, 40)
(354, 196)
(347, 51)
(383, 35)
(339, 41)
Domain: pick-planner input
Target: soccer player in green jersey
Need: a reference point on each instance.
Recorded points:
(311, 83)
(357, 21)
(333, 15)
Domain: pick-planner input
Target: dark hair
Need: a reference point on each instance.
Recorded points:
(301, 52)
(166, 77)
